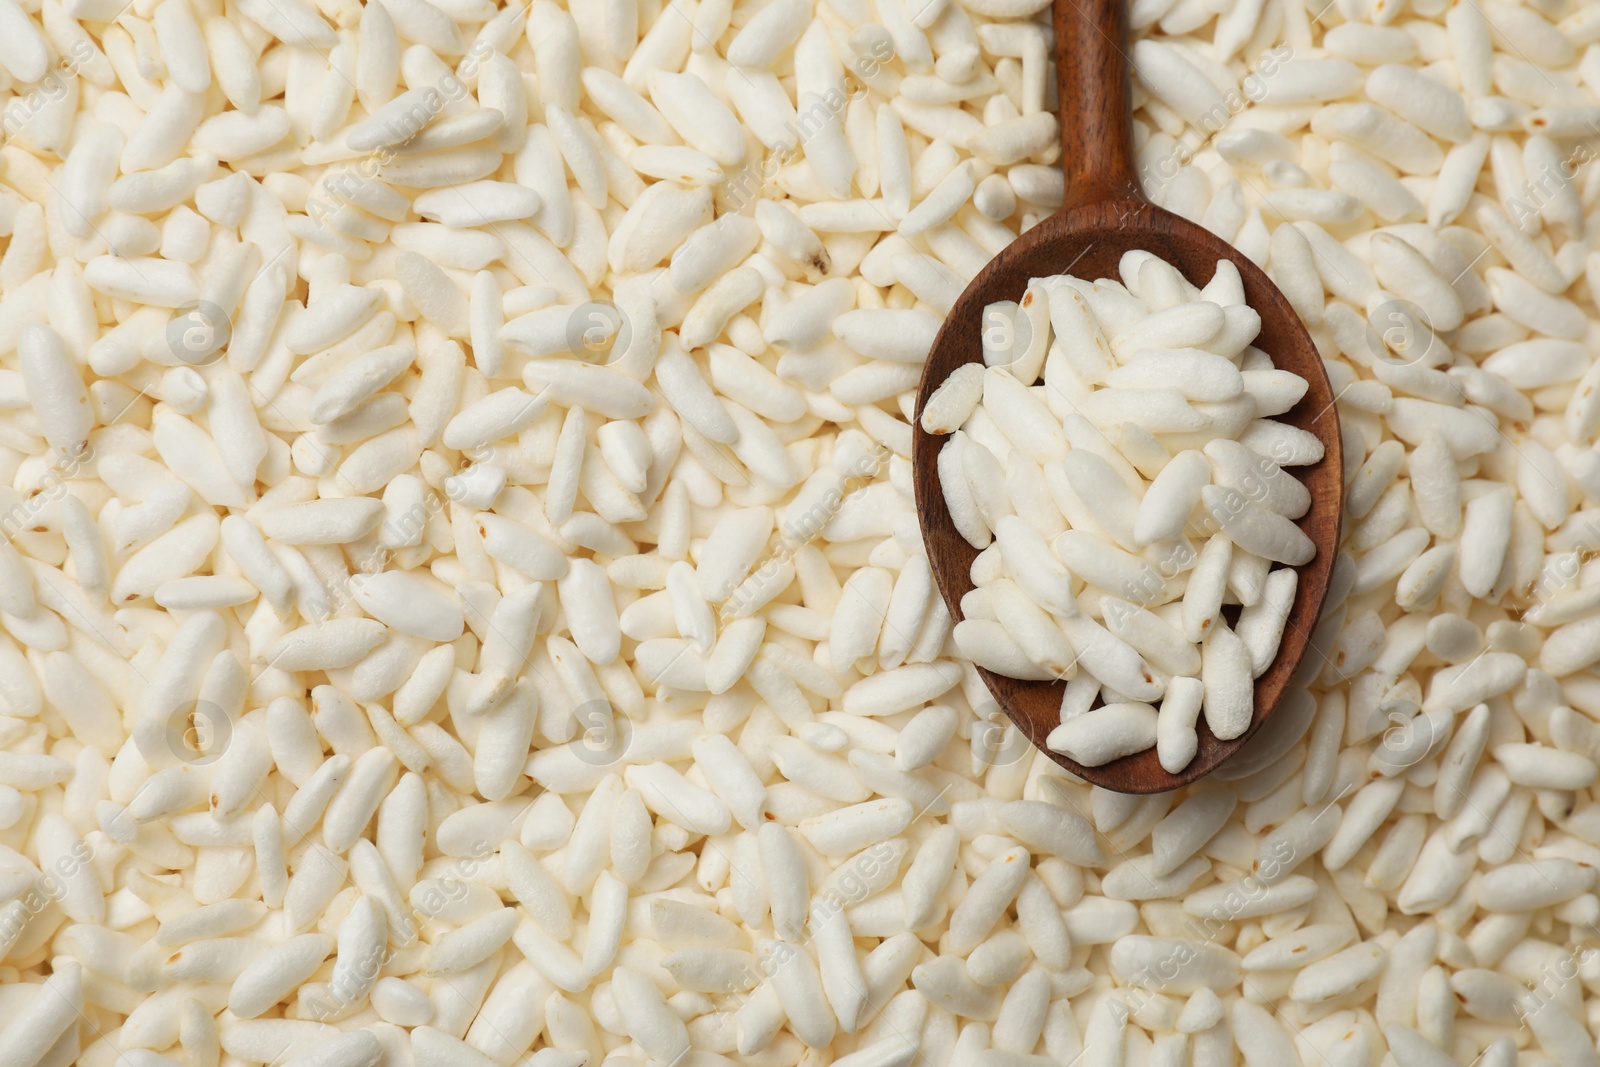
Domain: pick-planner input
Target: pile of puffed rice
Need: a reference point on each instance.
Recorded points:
(461, 589)
(1150, 430)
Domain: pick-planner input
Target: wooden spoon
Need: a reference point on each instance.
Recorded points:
(1104, 215)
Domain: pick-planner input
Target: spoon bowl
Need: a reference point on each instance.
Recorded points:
(1106, 215)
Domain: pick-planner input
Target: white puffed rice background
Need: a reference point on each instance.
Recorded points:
(462, 595)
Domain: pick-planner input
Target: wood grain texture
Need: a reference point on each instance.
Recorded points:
(1105, 216)
(1092, 77)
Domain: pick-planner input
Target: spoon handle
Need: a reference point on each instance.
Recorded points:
(1096, 102)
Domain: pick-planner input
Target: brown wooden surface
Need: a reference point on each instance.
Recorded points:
(1092, 76)
(1105, 216)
